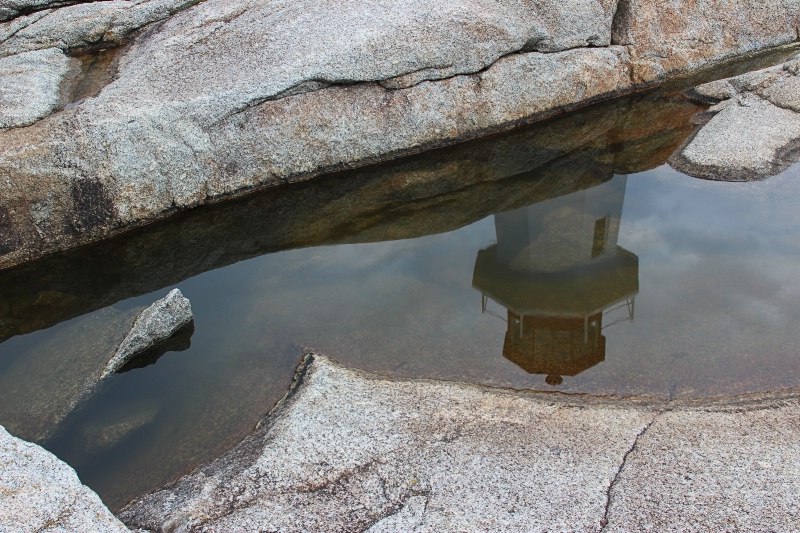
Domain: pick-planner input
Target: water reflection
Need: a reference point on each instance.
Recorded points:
(556, 269)
(378, 269)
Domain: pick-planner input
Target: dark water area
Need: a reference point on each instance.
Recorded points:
(561, 257)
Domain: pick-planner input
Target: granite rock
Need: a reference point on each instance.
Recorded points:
(352, 451)
(153, 325)
(666, 38)
(349, 451)
(40, 493)
(222, 57)
(104, 23)
(14, 8)
(730, 465)
(112, 163)
(228, 96)
(754, 132)
(32, 86)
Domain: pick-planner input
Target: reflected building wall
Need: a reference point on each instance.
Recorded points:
(555, 235)
(557, 269)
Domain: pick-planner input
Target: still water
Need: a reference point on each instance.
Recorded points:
(565, 256)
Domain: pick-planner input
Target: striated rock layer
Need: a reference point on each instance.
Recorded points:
(227, 96)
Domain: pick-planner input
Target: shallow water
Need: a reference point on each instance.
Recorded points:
(564, 256)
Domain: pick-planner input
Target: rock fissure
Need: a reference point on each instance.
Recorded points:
(604, 522)
(317, 84)
(24, 11)
(25, 25)
(397, 508)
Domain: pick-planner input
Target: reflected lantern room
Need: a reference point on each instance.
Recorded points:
(558, 271)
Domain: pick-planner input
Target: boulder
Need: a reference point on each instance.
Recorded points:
(40, 493)
(154, 325)
(32, 86)
(754, 132)
(228, 96)
(114, 162)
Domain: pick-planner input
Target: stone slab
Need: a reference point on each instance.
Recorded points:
(754, 131)
(351, 451)
(719, 466)
(154, 325)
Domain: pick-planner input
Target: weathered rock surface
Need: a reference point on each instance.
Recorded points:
(351, 451)
(729, 465)
(87, 24)
(755, 132)
(671, 37)
(155, 324)
(40, 493)
(32, 84)
(13, 8)
(228, 96)
(225, 56)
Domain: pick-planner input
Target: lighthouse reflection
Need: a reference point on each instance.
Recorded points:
(558, 271)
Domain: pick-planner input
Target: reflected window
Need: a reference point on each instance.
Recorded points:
(600, 236)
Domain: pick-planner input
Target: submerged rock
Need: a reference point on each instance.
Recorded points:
(755, 130)
(118, 424)
(48, 381)
(154, 325)
(40, 493)
(31, 87)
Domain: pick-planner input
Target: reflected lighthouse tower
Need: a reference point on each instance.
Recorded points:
(557, 269)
